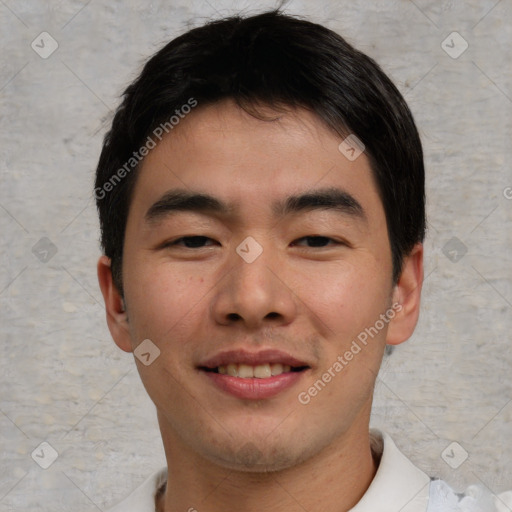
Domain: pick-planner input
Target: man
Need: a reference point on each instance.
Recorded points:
(262, 209)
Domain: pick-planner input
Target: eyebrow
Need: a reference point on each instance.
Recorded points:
(324, 199)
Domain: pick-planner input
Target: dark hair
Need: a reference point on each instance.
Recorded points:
(280, 61)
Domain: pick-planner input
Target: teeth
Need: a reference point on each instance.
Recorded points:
(261, 371)
(245, 371)
(276, 369)
(232, 370)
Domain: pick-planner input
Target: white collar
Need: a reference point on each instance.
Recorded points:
(398, 484)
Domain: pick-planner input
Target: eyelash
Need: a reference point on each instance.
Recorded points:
(176, 242)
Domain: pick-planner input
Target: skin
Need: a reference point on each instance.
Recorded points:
(225, 453)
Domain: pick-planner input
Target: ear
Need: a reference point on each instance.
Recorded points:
(407, 292)
(117, 318)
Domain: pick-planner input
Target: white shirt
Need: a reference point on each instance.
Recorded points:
(398, 486)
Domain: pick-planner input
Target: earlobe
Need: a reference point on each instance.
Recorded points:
(407, 293)
(117, 319)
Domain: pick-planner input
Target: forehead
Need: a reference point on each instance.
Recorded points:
(223, 151)
(224, 131)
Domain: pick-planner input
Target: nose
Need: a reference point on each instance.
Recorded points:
(256, 294)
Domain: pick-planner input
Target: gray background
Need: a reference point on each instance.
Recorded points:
(62, 379)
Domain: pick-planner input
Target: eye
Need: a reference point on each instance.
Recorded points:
(319, 241)
(191, 242)
(197, 242)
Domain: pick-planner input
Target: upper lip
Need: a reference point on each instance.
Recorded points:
(251, 358)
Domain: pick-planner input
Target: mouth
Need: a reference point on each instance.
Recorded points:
(260, 371)
(253, 375)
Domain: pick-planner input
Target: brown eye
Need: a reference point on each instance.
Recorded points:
(319, 241)
(190, 242)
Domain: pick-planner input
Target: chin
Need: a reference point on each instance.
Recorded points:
(252, 457)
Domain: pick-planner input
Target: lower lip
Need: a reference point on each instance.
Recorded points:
(254, 388)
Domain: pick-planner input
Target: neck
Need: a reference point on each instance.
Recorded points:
(334, 479)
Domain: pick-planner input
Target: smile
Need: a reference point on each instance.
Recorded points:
(247, 385)
(260, 371)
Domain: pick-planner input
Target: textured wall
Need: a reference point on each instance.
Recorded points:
(62, 379)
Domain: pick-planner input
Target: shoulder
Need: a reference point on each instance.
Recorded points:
(399, 485)
(475, 498)
(142, 499)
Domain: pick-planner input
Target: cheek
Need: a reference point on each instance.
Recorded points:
(165, 307)
(163, 297)
(348, 296)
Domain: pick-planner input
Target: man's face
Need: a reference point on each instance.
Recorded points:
(307, 297)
